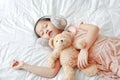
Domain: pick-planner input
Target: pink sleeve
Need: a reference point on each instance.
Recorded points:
(72, 29)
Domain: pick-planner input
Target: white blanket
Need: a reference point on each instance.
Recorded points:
(17, 38)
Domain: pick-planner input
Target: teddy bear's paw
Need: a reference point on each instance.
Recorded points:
(93, 73)
(51, 63)
(64, 78)
(68, 78)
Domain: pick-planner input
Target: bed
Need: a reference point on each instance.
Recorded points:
(18, 41)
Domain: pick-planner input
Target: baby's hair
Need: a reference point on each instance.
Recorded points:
(40, 19)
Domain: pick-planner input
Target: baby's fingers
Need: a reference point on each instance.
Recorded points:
(80, 64)
(15, 63)
(85, 63)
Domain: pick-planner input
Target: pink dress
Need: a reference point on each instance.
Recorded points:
(105, 52)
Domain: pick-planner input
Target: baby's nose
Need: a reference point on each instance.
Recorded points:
(46, 31)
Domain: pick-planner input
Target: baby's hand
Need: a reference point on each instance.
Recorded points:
(17, 64)
(83, 59)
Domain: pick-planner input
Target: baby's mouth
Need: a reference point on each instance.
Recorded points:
(50, 33)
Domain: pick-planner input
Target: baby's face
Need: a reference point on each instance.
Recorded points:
(45, 29)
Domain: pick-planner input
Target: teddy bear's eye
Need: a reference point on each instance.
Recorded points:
(61, 40)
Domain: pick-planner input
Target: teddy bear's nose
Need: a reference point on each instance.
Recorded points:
(61, 40)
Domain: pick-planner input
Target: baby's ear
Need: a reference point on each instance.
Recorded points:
(51, 44)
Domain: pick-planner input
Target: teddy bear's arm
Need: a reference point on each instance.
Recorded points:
(55, 55)
(51, 60)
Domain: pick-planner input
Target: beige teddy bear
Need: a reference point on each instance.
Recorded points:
(63, 49)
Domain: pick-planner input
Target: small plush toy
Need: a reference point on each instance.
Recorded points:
(67, 54)
(62, 44)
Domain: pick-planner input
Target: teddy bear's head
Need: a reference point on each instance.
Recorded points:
(61, 41)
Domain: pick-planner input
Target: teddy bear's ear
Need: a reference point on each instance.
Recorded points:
(51, 44)
(66, 33)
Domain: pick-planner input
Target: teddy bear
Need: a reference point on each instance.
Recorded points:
(67, 54)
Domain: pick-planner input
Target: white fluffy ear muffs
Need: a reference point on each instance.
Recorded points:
(42, 42)
(59, 21)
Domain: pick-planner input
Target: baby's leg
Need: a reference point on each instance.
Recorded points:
(91, 70)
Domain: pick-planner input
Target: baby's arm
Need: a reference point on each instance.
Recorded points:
(92, 34)
(38, 70)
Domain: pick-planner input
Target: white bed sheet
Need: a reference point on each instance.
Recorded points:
(17, 38)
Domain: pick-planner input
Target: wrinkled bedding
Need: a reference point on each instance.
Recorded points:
(18, 41)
